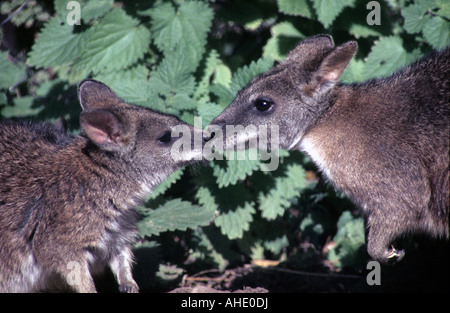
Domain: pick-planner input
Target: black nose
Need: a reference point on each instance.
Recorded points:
(207, 136)
(212, 129)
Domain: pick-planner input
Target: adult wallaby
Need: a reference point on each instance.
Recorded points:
(384, 142)
(67, 203)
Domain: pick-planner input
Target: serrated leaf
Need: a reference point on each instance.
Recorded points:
(245, 74)
(354, 72)
(117, 42)
(173, 75)
(276, 201)
(22, 107)
(10, 73)
(131, 85)
(234, 223)
(208, 111)
(415, 18)
(184, 27)
(387, 56)
(276, 245)
(327, 10)
(231, 171)
(295, 7)
(174, 215)
(56, 45)
(284, 37)
(169, 181)
(437, 32)
(347, 241)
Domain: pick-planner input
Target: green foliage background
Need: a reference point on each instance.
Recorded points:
(190, 58)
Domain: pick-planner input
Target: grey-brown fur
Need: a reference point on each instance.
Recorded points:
(384, 142)
(67, 203)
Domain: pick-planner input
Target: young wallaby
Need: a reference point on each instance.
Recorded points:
(67, 203)
(384, 142)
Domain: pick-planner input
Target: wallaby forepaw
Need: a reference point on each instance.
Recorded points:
(129, 287)
(394, 255)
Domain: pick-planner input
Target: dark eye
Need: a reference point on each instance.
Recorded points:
(263, 104)
(165, 137)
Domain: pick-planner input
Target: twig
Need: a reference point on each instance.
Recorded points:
(284, 270)
(15, 13)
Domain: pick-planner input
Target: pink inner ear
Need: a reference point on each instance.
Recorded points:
(331, 76)
(96, 135)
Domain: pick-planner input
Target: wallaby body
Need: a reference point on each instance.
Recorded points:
(67, 203)
(384, 142)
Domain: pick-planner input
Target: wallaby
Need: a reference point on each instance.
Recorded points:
(383, 142)
(67, 204)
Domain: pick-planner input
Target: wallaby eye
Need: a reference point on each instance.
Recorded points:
(263, 104)
(165, 137)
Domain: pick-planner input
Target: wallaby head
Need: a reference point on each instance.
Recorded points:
(67, 203)
(293, 94)
(139, 135)
(384, 142)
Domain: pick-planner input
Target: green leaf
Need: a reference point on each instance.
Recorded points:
(10, 73)
(437, 32)
(117, 42)
(387, 56)
(327, 10)
(284, 38)
(184, 27)
(234, 223)
(246, 73)
(56, 45)
(173, 75)
(415, 18)
(169, 181)
(276, 201)
(295, 7)
(208, 111)
(131, 85)
(22, 107)
(236, 169)
(174, 215)
(347, 241)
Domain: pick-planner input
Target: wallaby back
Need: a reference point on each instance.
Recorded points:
(67, 203)
(384, 142)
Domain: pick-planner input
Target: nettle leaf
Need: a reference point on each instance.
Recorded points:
(10, 73)
(117, 42)
(277, 200)
(169, 181)
(56, 45)
(437, 32)
(208, 111)
(185, 27)
(173, 215)
(90, 9)
(327, 11)
(348, 241)
(132, 85)
(246, 73)
(240, 165)
(387, 56)
(233, 206)
(173, 75)
(415, 18)
(295, 7)
(284, 38)
(235, 222)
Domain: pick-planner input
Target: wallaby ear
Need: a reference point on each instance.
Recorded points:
(93, 94)
(333, 65)
(310, 49)
(103, 128)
